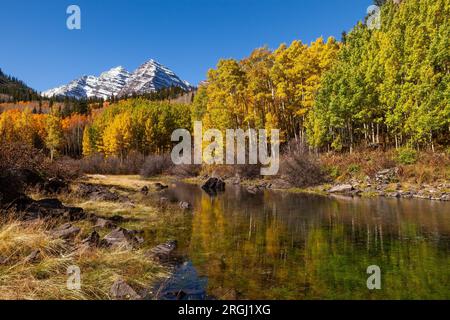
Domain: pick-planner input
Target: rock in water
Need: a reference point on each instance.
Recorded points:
(342, 188)
(214, 185)
(163, 251)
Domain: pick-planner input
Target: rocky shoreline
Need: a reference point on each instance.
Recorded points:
(385, 183)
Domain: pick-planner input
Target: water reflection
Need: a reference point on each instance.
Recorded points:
(288, 246)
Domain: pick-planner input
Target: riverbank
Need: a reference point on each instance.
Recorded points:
(383, 185)
(393, 174)
(119, 240)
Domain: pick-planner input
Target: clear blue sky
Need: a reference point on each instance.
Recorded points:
(188, 36)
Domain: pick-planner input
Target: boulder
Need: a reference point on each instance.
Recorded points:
(118, 219)
(29, 209)
(123, 238)
(104, 224)
(159, 186)
(214, 185)
(121, 290)
(163, 252)
(65, 231)
(342, 188)
(98, 193)
(50, 203)
(144, 190)
(93, 240)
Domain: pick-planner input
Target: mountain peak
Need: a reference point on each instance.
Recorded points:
(149, 77)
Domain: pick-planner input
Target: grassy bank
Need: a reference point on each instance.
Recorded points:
(45, 276)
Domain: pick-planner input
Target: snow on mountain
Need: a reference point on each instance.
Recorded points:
(152, 76)
(149, 77)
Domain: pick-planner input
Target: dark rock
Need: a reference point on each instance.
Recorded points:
(66, 231)
(50, 203)
(121, 290)
(53, 185)
(104, 223)
(28, 209)
(163, 252)
(122, 237)
(144, 190)
(159, 186)
(213, 185)
(33, 257)
(118, 219)
(74, 213)
(93, 240)
(98, 193)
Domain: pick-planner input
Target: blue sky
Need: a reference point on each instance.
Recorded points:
(188, 36)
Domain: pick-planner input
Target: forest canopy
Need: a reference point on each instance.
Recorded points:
(388, 86)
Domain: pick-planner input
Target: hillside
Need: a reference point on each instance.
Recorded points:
(12, 89)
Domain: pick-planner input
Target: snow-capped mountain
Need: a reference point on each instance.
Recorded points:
(152, 76)
(149, 77)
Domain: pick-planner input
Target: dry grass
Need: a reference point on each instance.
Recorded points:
(100, 267)
(429, 168)
(341, 167)
(46, 278)
(128, 182)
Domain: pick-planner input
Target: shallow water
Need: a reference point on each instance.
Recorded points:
(277, 245)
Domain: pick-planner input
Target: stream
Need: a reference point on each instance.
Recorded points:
(279, 245)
